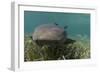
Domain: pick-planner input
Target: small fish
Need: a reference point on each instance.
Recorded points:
(56, 24)
(65, 27)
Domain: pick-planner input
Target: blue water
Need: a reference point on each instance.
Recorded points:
(78, 23)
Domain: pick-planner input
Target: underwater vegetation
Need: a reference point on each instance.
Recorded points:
(51, 42)
(44, 50)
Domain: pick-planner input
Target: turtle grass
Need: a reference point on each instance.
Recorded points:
(43, 50)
